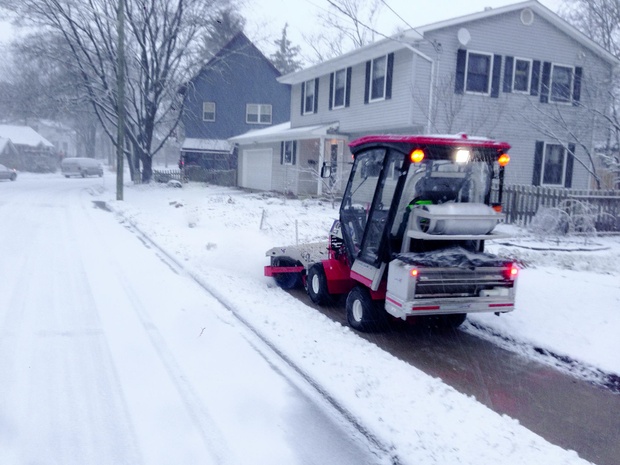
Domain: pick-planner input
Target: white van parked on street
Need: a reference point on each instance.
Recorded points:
(81, 166)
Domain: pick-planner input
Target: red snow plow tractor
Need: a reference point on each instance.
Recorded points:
(410, 237)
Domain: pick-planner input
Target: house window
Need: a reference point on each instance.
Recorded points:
(340, 88)
(561, 83)
(257, 113)
(378, 74)
(478, 77)
(208, 111)
(288, 152)
(309, 105)
(553, 165)
(522, 75)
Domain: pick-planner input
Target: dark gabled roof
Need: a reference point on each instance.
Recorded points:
(238, 42)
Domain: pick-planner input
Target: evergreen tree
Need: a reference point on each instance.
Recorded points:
(220, 29)
(285, 58)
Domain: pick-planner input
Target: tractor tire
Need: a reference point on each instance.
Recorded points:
(363, 313)
(286, 281)
(317, 285)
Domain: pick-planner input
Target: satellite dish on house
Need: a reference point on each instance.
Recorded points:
(464, 36)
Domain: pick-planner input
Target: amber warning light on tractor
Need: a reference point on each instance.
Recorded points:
(503, 159)
(417, 155)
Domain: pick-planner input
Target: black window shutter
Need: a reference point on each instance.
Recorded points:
(577, 85)
(388, 76)
(303, 89)
(570, 159)
(282, 152)
(316, 95)
(495, 78)
(508, 69)
(367, 85)
(294, 157)
(347, 98)
(331, 89)
(546, 81)
(538, 157)
(535, 77)
(459, 78)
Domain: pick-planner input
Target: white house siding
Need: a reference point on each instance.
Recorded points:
(514, 117)
(380, 116)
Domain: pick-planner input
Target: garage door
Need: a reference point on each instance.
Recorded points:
(256, 169)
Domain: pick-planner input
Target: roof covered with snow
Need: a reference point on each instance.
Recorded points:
(23, 135)
(283, 131)
(206, 145)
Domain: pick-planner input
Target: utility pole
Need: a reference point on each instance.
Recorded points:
(120, 105)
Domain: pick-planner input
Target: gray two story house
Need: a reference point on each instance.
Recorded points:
(518, 73)
(237, 90)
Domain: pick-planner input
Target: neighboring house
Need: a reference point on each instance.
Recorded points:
(9, 156)
(63, 137)
(518, 73)
(34, 152)
(236, 91)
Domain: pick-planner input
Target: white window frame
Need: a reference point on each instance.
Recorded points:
(290, 145)
(262, 109)
(205, 111)
(344, 89)
(529, 76)
(310, 84)
(372, 80)
(489, 76)
(572, 84)
(542, 168)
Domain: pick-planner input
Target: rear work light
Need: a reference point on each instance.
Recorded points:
(511, 272)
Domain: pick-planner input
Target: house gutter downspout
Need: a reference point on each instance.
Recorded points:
(431, 93)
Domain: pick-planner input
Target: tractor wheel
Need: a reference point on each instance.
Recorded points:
(363, 313)
(286, 280)
(317, 285)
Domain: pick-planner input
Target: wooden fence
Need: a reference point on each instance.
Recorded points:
(520, 203)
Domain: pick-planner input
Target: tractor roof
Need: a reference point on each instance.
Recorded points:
(459, 140)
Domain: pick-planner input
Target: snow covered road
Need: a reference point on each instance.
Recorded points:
(109, 356)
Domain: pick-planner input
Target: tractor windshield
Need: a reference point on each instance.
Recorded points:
(441, 181)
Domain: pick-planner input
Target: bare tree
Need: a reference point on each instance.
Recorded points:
(161, 36)
(346, 25)
(598, 19)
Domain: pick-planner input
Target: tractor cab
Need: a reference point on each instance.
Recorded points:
(409, 241)
(418, 194)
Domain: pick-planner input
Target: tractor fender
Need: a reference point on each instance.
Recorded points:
(338, 276)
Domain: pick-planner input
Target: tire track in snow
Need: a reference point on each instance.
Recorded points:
(383, 451)
(210, 434)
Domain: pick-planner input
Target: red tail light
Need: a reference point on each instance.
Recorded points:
(511, 272)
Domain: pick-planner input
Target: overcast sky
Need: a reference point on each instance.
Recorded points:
(266, 18)
(300, 14)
